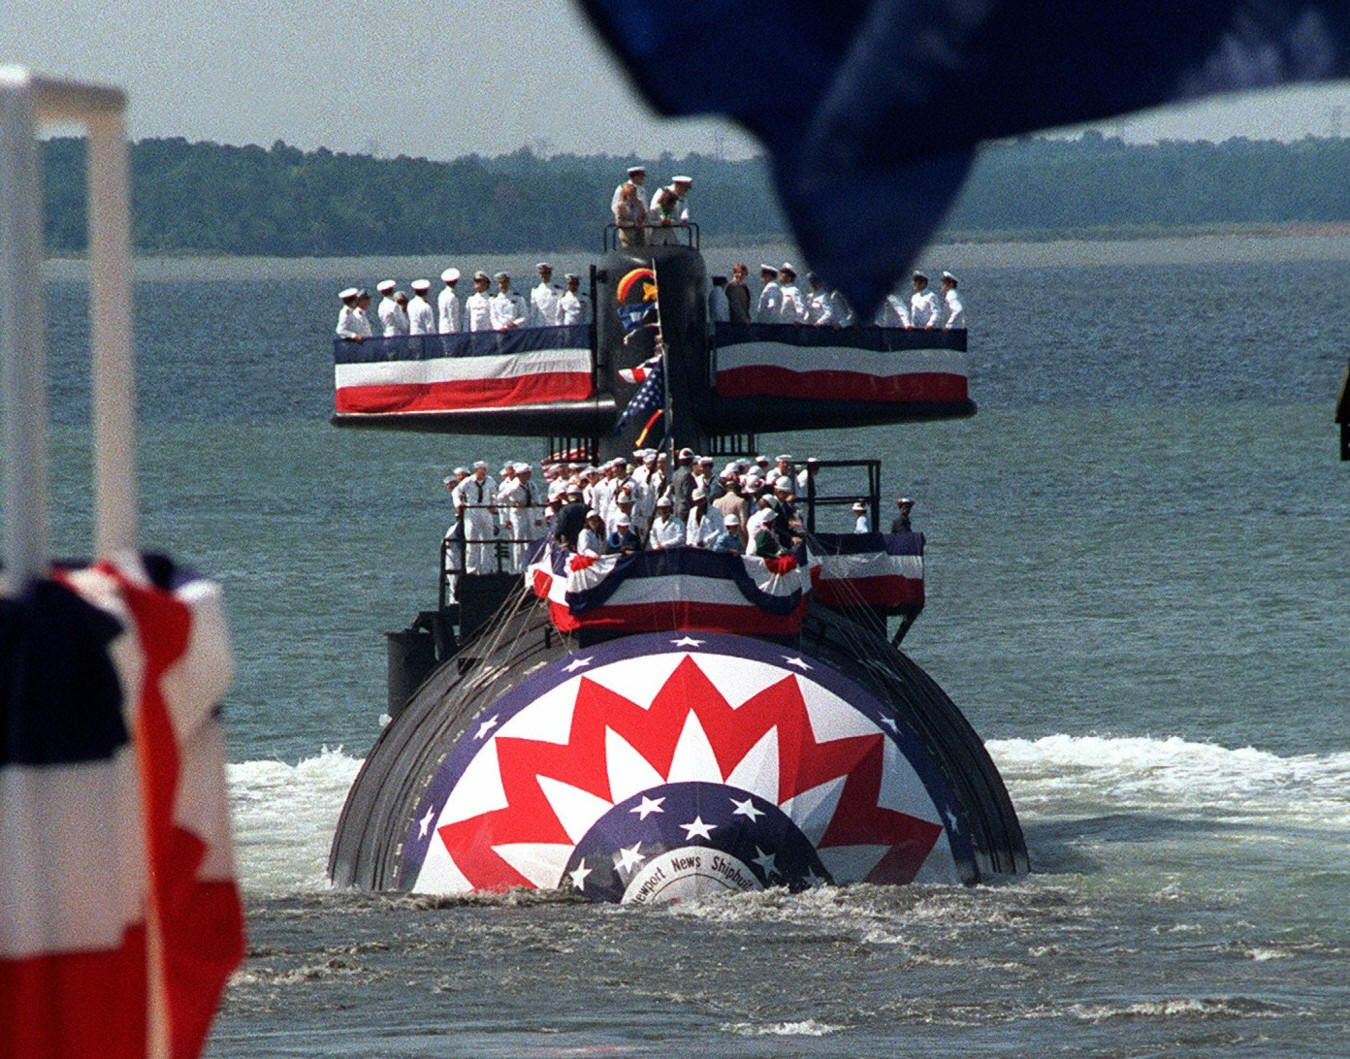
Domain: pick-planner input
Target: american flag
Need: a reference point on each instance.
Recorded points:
(640, 373)
(651, 395)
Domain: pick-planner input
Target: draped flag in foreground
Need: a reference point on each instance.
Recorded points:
(119, 915)
(871, 115)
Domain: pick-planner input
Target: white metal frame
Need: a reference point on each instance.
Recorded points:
(28, 101)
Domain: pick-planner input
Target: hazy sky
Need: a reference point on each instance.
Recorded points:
(441, 79)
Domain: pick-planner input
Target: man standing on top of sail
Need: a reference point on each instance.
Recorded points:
(637, 175)
(508, 307)
(421, 316)
(544, 298)
(478, 306)
(923, 306)
(573, 307)
(956, 312)
(451, 312)
(770, 297)
(792, 307)
(670, 209)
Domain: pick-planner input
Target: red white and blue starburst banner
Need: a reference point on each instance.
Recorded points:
(882, 365)
(672, 589)
(663, 766)
(483, 369)
(878, 569)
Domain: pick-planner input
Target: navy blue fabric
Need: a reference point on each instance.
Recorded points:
(465, 344)
(871, 109)
(863, 543)
(874, 339)
(62, 700)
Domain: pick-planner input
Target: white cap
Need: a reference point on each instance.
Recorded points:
(480, 274)
(761, 459)
(348, 292)
(460, 470)
(785, 457)
(904, 500)
(480, 463)
(732, 520)
(502, 275)
(633, 170)
(767, 268)
(682, 180)
(786, 266)
(450, 275)
(949, 278)
(385, 286)
(664, 501)
(574, 490)
(556, 490)
(591, 513)
(543, 266)
(920, 275)
(420, 284)
(858, 505)
(522, 467)
(623, 520)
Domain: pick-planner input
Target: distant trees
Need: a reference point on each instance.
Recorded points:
(212, 198)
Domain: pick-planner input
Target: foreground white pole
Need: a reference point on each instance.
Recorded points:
(28, 100)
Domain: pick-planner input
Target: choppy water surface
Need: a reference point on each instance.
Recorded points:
(1136, 594)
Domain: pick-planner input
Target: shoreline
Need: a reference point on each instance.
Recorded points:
(1144, 246)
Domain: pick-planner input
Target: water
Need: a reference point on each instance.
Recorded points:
(1136, 594)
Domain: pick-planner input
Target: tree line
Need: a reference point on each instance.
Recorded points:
(219, 199)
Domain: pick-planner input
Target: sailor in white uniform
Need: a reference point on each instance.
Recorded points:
(475, 499)
(574, 307)
(450, 311)
(770, 296)
(703, 525)
(393, 319)
(955, 311)
(478, 306)
(861, 523)
(792, 306)
(669, 210)
(508, 307)
(893, 312)
(636, 175)
(350, 326)
(923, 306)
(544, 298)
(667, 528)
(421, 316)
(819, 310)
(531, 523)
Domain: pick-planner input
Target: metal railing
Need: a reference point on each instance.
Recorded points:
(613, 242)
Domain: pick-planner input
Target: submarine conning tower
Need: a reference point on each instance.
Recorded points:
(663, 724)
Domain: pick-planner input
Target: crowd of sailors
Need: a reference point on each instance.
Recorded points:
(549, 304)
(750, 507)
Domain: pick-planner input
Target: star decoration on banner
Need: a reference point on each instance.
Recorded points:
(575, 664)
(486, 727)
(648, 806)
(767, 862)
(688, 641)
(578, 875)
(629, 857)
(696, 827)
(797, 661)
(424, 825)
(747, 809)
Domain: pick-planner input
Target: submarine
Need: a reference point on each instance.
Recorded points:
(656, 725)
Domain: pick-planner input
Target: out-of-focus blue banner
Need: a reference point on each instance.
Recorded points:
(871, 109)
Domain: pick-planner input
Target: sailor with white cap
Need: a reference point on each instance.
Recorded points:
(449, 310)
(792, 306)
(478, 306)
(421, 316)
(351, 326)
(956, 312)
(861, 523)
(393, 319)
(508, 307)
(770, 296)
(475, 498)
(670, 209)
(923, 306)
(637, 175)
(667, 527)
(703, 524)
(574, 307)
(544, 298)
